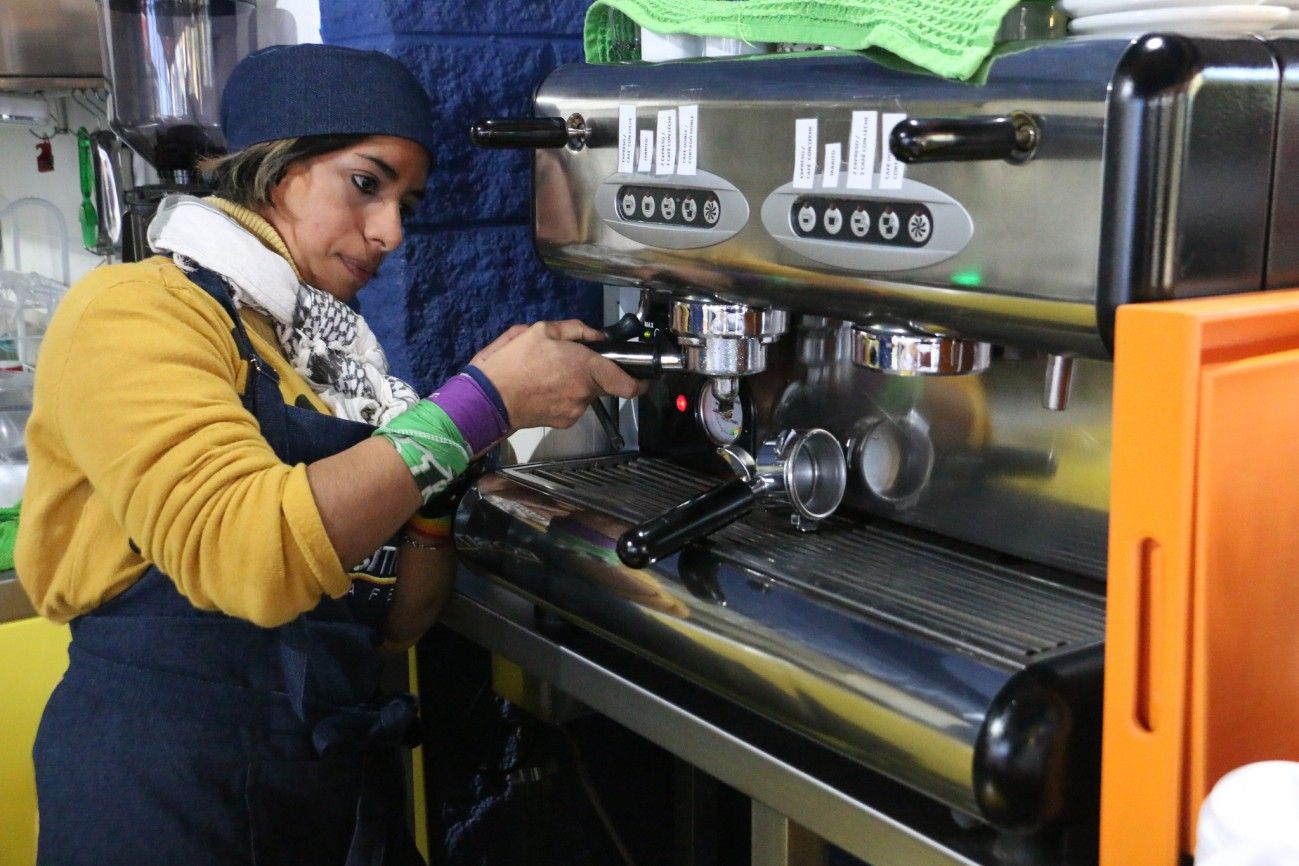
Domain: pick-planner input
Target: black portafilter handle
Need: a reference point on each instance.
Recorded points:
(519, 132)
(681, 524)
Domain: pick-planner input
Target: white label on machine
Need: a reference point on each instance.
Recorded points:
(804, 152)
(645, 164)
(861, 149)
(666, 142)
(830, 170)
(626, 139)
(688, 122)
(892, 170)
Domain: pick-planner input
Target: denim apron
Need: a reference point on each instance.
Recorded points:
(181, 736)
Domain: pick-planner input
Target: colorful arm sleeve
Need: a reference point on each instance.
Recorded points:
(430, 444)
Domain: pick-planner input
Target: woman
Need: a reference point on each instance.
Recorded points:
(215, 445)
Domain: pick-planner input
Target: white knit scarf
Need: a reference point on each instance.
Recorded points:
(324, 339)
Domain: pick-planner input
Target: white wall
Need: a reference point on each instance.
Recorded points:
(287, 22)
(279, 22)
(20, 179)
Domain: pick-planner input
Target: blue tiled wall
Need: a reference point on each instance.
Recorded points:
(467, 270)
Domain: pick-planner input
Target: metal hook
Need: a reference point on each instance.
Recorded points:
(58, 120)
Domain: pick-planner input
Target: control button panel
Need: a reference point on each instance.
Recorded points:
(671, 212)
(688, 208)
(900, 223)
(868, 231)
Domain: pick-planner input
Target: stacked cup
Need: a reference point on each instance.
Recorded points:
(1291, 6)
(1126, 18)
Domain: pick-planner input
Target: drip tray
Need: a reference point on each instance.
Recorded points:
(965, 600)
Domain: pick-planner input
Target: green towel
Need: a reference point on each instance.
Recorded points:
(950, 38)
(8, 535)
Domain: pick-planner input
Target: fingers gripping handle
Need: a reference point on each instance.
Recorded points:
(691, 520)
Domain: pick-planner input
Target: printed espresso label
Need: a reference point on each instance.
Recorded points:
(666, 142)
(645, 163)
(804, 152)
(861, 149)
(830, 169)
(688, 124)
(626, 139)
(892, 170)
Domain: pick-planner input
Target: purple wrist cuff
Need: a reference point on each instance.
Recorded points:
(472, 411)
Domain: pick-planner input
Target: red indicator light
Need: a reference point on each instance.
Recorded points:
(682, 405)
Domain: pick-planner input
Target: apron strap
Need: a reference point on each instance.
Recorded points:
(262, 389)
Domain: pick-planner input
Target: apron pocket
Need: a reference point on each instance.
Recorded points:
(302, 812)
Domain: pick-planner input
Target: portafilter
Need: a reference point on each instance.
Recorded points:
(802, 472)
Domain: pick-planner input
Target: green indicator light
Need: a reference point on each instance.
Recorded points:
(967, 278)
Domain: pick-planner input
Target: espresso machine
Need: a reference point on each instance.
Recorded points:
(854, 560)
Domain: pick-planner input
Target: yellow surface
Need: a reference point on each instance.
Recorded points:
(36, 654)
(419, 800)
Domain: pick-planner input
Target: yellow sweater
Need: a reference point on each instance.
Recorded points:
(140, 451)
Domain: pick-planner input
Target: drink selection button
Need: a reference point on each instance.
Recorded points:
(807, 218)
(833, 219)
(919, 227)
(712, 211)
(860, 222)
(889, 224)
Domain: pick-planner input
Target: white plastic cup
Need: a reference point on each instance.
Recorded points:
(725, 46)
(1251, 817)
(669, 46)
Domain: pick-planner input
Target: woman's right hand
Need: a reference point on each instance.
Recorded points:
(546, 377)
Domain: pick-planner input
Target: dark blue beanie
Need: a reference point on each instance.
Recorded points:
(288, 91)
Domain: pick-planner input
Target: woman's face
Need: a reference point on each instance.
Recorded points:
(340, 213)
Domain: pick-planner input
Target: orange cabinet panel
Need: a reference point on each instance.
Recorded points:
(1202, 653)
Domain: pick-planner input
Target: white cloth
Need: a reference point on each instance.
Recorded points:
(326, 341)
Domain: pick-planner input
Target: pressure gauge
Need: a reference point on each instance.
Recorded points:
(721, 425)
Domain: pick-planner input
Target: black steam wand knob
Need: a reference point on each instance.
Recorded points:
(1012, 137)
(530, 132)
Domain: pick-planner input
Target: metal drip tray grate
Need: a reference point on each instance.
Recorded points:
(956, 598)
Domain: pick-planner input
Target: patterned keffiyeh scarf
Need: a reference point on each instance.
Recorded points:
(325, 340)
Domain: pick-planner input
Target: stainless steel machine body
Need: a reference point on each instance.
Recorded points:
(1152, 179)
(944, 629)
